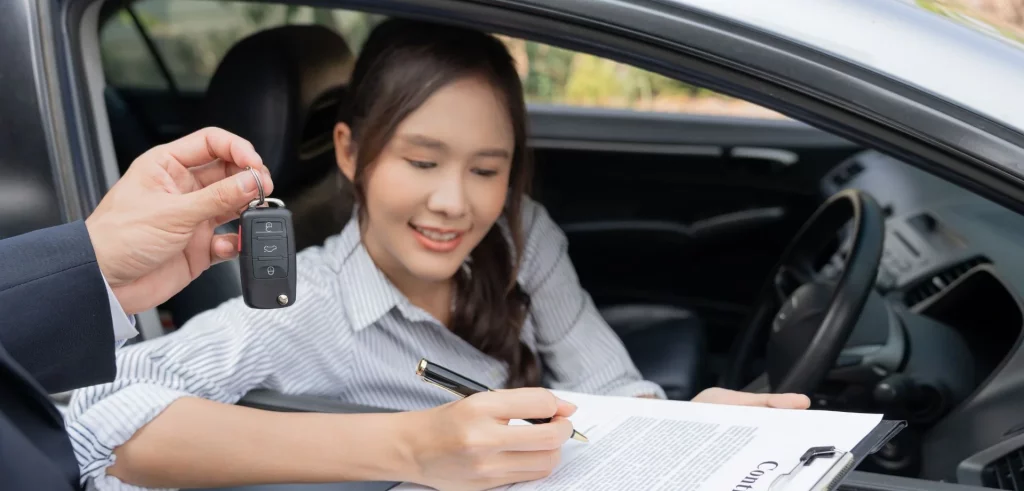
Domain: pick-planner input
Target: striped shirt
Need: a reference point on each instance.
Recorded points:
(350, 336)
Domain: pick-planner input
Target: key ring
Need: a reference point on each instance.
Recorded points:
(259, 185)
(263, 198)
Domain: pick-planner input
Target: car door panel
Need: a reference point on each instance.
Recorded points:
(31, 195)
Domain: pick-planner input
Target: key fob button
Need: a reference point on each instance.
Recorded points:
(268, 227)
(270, 247)
(270, 268)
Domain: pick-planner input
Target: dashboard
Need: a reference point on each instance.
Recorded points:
(954, 259)
(932, 226)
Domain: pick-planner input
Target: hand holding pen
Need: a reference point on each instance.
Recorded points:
(469, 445)
(463, 386)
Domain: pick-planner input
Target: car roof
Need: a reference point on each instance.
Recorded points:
(968, 63)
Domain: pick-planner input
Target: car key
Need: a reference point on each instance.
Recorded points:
(266, 244)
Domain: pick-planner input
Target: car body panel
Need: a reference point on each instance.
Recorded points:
(968, 66)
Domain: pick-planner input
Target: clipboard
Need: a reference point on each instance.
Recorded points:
(843, 461)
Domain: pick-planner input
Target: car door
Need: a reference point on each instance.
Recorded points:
(30, 196)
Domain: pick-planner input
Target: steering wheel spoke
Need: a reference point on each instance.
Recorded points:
(789, 277)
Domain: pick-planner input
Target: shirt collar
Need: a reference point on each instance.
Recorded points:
(367, 294)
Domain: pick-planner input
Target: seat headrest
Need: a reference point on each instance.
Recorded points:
(280, 89)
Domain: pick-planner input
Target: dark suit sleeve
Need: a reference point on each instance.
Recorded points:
(54, 309)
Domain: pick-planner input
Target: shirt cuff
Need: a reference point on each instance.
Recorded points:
(124, 324)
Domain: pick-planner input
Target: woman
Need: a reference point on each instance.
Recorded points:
(445, 258)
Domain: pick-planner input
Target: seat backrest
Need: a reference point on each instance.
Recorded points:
(129, 132)
(279, 89)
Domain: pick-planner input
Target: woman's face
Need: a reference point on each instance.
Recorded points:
(439, 185)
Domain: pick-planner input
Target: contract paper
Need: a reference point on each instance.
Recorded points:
(654, 445)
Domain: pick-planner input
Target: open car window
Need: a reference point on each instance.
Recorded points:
(164, 44)
(191, 37)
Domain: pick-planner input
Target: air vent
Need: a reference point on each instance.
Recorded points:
(1006, 472)
(940, 281)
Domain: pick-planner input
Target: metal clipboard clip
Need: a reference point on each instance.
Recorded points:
(828, 482)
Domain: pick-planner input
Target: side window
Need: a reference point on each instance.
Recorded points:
(127, 62)
(190, 37)
(553, 75)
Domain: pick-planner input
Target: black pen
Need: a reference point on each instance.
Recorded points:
(465, 387)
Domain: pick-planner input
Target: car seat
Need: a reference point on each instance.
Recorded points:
(668, 344)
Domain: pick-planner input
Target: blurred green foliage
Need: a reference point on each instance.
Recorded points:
(560, 76)
(1000, 18)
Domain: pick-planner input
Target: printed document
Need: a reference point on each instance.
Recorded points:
(647, 444)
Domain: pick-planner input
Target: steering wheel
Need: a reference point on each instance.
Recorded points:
(806, 317)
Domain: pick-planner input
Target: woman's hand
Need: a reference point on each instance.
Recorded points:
(469, 445)
(717, 395)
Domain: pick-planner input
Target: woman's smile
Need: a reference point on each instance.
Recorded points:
(437, 239)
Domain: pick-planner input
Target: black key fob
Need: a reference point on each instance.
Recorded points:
(267, 254)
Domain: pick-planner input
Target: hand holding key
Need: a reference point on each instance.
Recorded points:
(153, 232)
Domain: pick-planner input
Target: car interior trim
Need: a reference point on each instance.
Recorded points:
(604, 124)
(783, 157)
(718, 224)
(951, 289)
(95, 81)
(626, 147)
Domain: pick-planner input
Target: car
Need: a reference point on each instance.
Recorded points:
(849, 228)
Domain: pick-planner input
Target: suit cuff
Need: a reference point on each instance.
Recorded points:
(124, 324)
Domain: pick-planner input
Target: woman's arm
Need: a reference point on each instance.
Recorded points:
(168, 419)
(580, 350)
(201, 443)
(465, 445)
(219, 356)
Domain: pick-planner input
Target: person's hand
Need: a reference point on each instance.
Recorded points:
(469, 445)
(717, 395)
(153, 232)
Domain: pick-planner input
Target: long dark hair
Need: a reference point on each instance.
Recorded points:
(401, 65)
